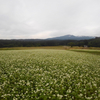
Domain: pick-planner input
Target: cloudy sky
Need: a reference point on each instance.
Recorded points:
(20, 19)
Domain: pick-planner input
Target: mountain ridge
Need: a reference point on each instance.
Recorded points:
(71, 37)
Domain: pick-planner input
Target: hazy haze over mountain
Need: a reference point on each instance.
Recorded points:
(40, 19)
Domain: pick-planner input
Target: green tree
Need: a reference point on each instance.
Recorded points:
(71, 44)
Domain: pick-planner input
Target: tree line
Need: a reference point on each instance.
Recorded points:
(31, 43)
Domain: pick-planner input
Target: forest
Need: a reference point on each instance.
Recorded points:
(38, 42)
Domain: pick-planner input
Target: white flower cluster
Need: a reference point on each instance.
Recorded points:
(49, 75)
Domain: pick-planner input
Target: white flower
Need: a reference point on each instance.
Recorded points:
(28, 83)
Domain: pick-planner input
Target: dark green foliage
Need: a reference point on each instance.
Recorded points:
(31, 42)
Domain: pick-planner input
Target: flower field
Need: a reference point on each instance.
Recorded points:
(49, 75)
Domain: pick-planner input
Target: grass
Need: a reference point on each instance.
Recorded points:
(92, 50)
(50, 47)
(97, 52)
(30, 48)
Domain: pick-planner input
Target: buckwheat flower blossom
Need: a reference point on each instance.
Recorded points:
(49, 74)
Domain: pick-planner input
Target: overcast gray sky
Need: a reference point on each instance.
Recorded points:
(20, 19)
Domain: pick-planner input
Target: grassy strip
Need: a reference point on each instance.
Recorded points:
(74, 48)
(97, 52)
(29, 48)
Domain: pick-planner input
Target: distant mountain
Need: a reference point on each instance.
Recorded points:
(65, 37)
(71, 37)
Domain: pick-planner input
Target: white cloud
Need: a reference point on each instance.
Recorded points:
(48, 18)
(43, 34)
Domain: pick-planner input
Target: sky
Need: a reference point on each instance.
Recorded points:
(40, 19)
